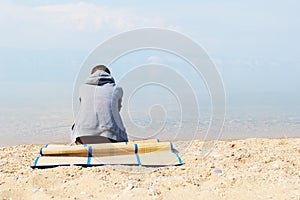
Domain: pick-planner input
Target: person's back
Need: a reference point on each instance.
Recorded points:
(100, 102)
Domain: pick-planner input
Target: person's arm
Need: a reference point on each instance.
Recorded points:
(120, 104)
(117, 98)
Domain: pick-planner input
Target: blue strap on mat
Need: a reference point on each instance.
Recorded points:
(36, 160)
(90, 155)
(41, 149)
(136, 151)
(175, 152)
(136, 148)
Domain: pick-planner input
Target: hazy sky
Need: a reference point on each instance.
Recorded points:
(254, 44)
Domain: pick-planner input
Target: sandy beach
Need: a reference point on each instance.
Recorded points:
(234, 169)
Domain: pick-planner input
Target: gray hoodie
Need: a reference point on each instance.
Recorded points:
(100, 101)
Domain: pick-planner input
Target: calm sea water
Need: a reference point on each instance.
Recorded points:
(40, 125)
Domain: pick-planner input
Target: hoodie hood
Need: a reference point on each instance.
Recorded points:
(100, 78)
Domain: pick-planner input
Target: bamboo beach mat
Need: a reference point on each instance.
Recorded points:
(144, 153)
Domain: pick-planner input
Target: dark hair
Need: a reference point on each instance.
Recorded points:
(100, 67)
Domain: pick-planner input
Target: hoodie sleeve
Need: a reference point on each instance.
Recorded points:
(120, 104)
(118, 94)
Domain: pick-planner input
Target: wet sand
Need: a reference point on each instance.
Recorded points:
(234, 169)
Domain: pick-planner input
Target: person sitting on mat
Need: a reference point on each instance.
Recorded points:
(98, 119)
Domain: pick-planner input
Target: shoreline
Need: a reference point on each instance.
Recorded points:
(181, 140)
(254, 168)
